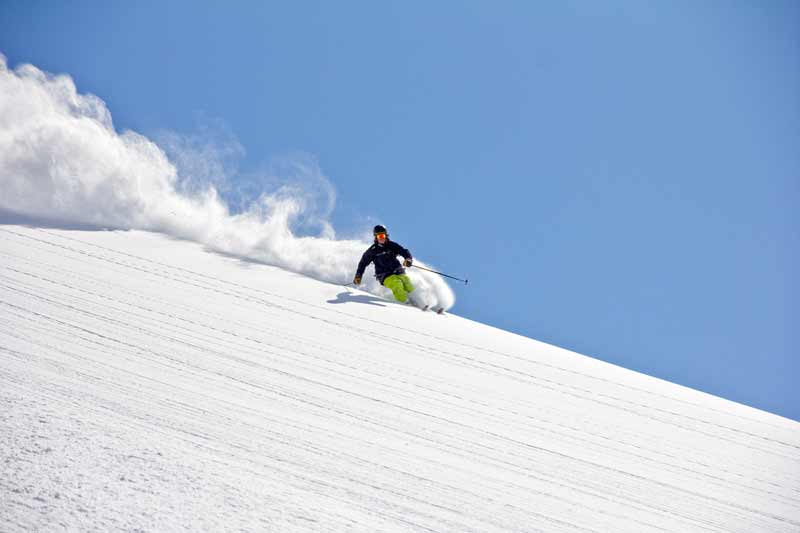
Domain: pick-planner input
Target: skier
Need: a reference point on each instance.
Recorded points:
(388, 271)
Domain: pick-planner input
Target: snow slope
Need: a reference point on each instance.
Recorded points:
(147, 384)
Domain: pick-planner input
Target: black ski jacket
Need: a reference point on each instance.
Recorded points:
(385, 258)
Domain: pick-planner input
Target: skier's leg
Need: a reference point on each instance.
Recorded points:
(416, 301)
(395, 284)
(407, 283)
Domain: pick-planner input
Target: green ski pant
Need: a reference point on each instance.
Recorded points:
(400, 286)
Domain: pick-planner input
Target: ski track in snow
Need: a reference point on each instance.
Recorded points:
(148, 385)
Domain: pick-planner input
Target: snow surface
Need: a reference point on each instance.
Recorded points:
(148, 384)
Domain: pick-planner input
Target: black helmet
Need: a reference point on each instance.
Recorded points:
(379, 229)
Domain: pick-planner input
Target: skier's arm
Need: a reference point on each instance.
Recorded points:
(405, 253)
(366, 259)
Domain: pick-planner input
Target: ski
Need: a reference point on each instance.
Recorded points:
(437, 310)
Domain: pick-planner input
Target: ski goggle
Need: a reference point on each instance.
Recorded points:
(380, 235)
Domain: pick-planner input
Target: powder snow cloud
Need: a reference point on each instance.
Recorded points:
(61, 159)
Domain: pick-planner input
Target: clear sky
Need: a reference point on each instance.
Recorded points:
(618, 178)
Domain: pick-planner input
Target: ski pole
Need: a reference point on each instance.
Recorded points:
(464, 281)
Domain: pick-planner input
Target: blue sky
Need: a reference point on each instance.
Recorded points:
(619, 178)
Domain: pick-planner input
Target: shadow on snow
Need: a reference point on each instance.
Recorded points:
(349, 297)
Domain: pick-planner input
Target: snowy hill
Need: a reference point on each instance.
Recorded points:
(147, 384)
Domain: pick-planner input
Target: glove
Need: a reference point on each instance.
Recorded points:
(357, 280)
(407, 262)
